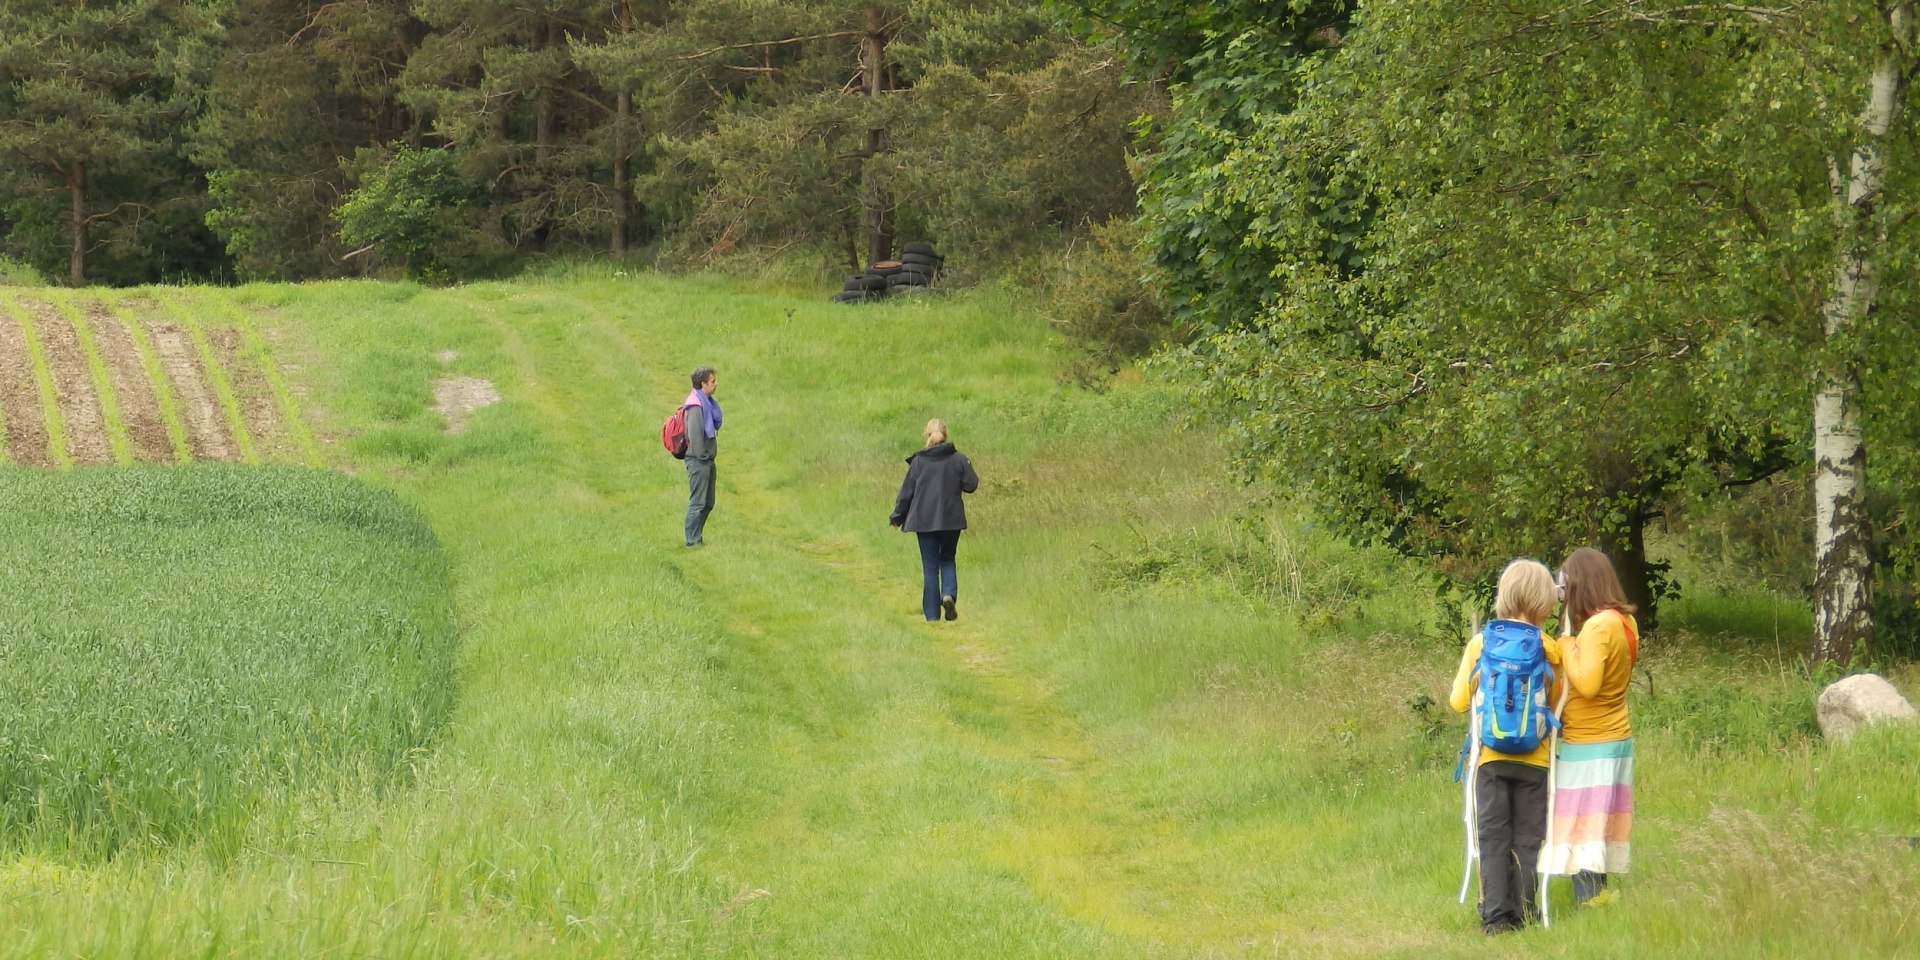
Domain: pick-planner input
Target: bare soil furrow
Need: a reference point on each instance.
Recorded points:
(87, 440)
(20, 399)
(139, 404)
(250, 386)
(207, 433)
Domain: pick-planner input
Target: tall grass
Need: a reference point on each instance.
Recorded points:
(180, 646)
(1174, 719)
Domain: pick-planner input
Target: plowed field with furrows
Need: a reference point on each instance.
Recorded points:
(147, 379)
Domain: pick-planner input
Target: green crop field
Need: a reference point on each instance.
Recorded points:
(182, 647)
(1176, 719)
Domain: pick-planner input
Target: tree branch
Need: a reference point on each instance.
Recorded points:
(761, 44)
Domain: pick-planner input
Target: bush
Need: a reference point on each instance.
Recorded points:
(13, 273)
(409, 206)
(1102, 301)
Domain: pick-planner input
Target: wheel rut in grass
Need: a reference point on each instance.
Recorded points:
(20, 399)
(88, 443)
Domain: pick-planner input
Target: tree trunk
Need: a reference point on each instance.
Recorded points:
(876, 201)
(1842, 608)
(1628, 551)
(77, 193)
(622, 155)
(542, 106)
(622, 174)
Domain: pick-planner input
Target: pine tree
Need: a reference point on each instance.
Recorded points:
(92, 98)
(301, 85)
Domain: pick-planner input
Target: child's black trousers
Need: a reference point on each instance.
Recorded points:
(1512, 800)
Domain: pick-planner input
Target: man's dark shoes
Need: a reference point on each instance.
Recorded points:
(946, 606)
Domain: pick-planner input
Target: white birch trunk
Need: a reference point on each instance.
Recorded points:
(1842, 612)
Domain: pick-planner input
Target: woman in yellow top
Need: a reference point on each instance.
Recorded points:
(1509, 789)
(1593, 775)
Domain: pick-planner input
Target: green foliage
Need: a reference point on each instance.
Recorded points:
(1274, 559)
(777, 150)
(1473, 333)
(1099, 299)
(224, 136)
(184, 646)
(299, 85)
(17, 274)
(1713, 713)
(408, 205)
(92, 102)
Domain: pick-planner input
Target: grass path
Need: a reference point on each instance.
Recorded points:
(758, 750)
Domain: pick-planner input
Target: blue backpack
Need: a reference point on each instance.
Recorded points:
(1514, 681)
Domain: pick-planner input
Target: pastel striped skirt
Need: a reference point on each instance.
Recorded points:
(1592, 809)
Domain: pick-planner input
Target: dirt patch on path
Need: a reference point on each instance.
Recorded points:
(80, 410)
(456, 398)
(20, 399)
(207, 433)
(139, 404)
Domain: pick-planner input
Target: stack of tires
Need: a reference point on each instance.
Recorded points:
(919, 268)
(862, 287)
(914, 273)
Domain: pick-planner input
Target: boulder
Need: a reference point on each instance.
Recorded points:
(1860, 700)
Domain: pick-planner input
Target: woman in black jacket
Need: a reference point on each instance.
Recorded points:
(929, 505)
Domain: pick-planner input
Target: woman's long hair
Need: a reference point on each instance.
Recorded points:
(936, 432)
(1591, 586)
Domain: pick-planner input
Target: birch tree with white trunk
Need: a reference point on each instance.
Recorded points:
(1843, 566)
(1648, 242)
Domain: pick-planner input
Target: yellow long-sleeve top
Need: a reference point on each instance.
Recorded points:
(1467, 679)
(1599, 664)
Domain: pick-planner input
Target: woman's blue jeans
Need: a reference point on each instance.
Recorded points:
(941, 576)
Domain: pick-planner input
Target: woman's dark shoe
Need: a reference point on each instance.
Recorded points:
(946, 606)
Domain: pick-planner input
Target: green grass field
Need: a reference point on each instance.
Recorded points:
(1176, 718)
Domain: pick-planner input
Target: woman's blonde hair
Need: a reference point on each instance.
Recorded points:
(1526, 592)
(936, 432)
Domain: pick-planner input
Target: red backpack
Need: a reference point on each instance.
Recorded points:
(673, 433)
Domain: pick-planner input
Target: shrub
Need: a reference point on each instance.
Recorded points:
(409, 206)
(1101, 300)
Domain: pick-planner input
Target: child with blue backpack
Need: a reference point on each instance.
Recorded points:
(1507, 677)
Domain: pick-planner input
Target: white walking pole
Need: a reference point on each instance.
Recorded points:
(1546, 903)
(1470, 815)
(1546, 843)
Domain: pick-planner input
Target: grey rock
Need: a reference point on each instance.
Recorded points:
(1858, 701)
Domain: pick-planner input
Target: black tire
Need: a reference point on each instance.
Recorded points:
(917, 273)
(920, 260)
(886, 268)
(871, 281)
(910, 280)
(848, 296)
(924, 249)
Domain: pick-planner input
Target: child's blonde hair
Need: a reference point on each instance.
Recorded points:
(1526, 592)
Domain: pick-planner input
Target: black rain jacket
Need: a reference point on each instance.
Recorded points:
(929, 498)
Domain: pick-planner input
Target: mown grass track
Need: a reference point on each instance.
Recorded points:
(757, 749)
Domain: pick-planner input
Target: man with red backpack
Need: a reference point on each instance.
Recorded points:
(700, 415)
